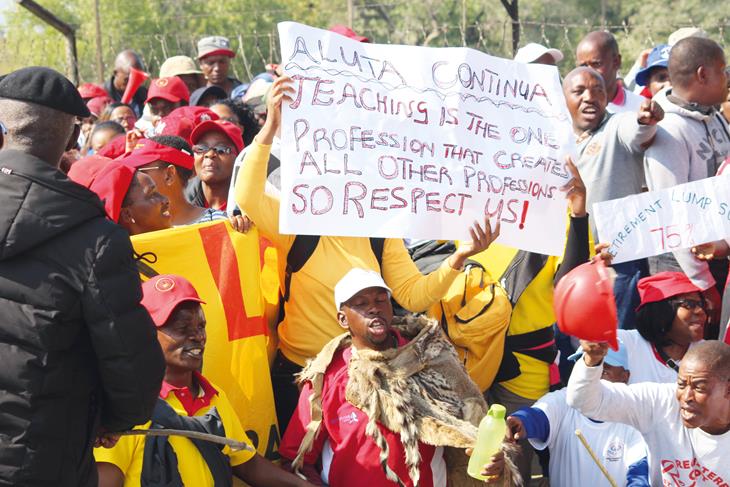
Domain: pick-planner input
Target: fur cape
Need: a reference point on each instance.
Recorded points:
(421, 391)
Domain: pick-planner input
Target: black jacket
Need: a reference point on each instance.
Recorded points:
(76, 348)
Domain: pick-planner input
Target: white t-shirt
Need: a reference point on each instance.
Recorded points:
(630, 102)
(644, 365)
(678, 456)
(616, 445)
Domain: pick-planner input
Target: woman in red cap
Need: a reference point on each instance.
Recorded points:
(131, 199)
(670, 319)
(216, 143)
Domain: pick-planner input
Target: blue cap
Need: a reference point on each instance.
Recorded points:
(658, 57)
(615, 358)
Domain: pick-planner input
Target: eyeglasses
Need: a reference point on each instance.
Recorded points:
(151, 168)
(219, 149)
(691, 304)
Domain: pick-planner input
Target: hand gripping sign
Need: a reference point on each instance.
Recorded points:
(403, 141)
(662, 221)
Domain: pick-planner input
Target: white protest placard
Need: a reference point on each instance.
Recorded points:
(404, 141)
(662, 221)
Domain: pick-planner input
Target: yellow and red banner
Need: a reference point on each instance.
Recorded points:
(224, 266)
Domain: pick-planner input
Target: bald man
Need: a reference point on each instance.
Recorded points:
(115, 86)
(686, 425)
(599, 50)
(692, 141)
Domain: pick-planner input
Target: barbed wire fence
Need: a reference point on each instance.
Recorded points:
(255, 49)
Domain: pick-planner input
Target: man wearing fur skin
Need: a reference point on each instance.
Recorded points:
(378, 410)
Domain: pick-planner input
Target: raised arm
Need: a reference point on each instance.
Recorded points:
(606, 401)
(636, 131)
(250, 193)
(417, 292)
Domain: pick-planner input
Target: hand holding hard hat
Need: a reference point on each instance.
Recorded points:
(584, 303)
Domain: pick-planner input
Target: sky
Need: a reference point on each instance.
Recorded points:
(4, 4)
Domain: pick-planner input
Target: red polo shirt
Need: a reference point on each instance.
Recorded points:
(349, 457)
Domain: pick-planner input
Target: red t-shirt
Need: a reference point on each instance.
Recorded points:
(350, 458)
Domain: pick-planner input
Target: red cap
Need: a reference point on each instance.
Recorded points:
(228, 129)
(90, 90)
(97, 104)
(182, 120)
(85, 170)
(115, 147)
(111, 185)
(172, 89)
(162, 294)
(347, 32)
(664, 285)
(147, 151)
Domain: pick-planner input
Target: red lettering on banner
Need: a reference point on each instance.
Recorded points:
(675, 472)
(224, 268)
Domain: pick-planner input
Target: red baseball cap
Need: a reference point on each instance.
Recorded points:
(664, 285)
(97, 104)
(228, 129)
(172, 89)
(182, 120)
(85, 170)
(114, 148)
(347, 32)
(111, 185)
(162, 294)
(148, 151)
(90, 90)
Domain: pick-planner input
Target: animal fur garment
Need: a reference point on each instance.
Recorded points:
(420, 390)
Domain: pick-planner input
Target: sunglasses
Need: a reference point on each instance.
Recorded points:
(691, 304)
(219, 149)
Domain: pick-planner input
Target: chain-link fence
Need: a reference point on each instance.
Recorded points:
(491, 33)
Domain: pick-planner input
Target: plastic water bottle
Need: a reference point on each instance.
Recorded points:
(492, 429)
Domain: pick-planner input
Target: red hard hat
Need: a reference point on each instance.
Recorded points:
(585, 305)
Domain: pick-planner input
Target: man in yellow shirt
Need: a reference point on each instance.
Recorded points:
(187, 401)
(308, 322)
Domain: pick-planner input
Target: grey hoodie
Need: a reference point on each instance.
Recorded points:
(690, 145)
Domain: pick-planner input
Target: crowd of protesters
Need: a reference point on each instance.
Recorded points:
(363, 366)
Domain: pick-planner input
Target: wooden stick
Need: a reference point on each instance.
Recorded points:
(195, 435)
(582, 439)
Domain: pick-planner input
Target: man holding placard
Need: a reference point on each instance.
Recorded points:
(308, 323)
(692, 141)
(610, 161)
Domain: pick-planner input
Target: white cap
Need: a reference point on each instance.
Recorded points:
(685, 32)
(534, 51)
(355, 281)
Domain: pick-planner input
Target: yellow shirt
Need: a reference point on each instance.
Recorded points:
(128, 453)
(533, 311)
(311, 314)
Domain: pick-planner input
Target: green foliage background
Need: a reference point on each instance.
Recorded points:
(162, 28)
